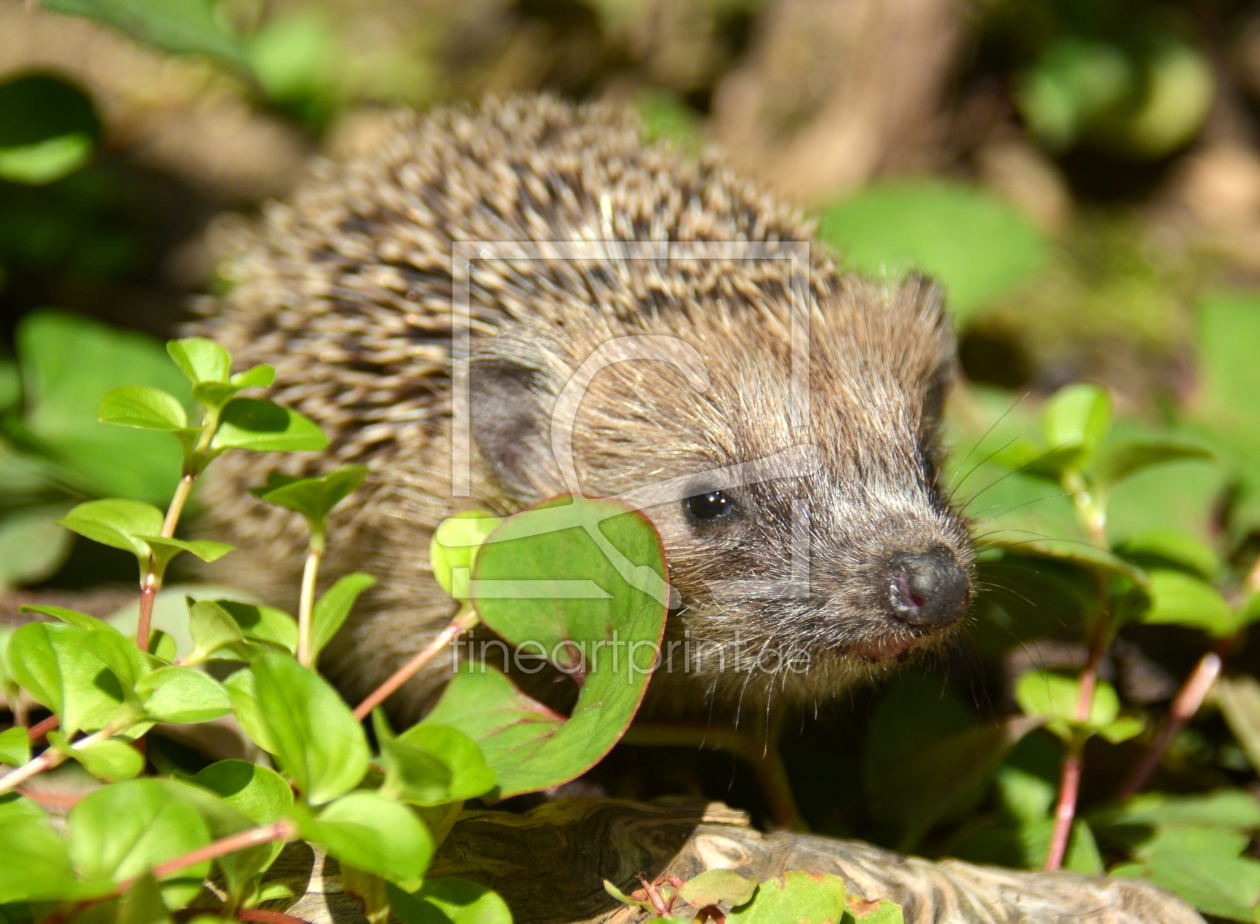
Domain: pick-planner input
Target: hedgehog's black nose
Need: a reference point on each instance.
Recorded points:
(927, 588)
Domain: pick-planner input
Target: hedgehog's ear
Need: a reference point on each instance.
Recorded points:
(510, 424)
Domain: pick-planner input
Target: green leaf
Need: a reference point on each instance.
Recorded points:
(50, 662)
(212, 628)
(71, 617)
(144, 407)
(116, 522)
(32, 545)
(371, 833)
(1229, 808)
(257, 792)
(432, 765)
(214, 394)
(165, 549)
(1054, 697)
(200, 359)
(1229, 386)
(248, 423)
(48, 129)
(35, 861)
(1155, 546)
(333, 607)
(220, 797)
(524, 583)
(177, 26)
(716, 886)
(1034, 518)
(1179, 599)
(1122, 729)
(142, 904)
(119, 654)
(454, 546)
(263, 623)
(15, 746)
(1120, 460)
(977, 245)
(243, 692)
(182, 695)
(110, 759)
(316, 738)
(448, 901)
(804, 898)
(1077, 416)
(255, 377)
(124, 830)
(67, 363)
(1228, 887)
(314, 498)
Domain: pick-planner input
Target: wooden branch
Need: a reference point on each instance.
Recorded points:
(549, 865)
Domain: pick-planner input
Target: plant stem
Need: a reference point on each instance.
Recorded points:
(1065, 807)
(1073, 759)
(306, 604)
(151, 580)
(48, 760)
(176, 508)
(35, 765)
(263, 916)
(150, 584)
(39, 729)
(1186, 703)
(454, 629)
(282, 830)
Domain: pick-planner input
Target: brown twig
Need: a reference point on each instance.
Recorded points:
(40, 729)
(282, 830)
(56, 800)
(454, 629)
(1186, 703)
(1073, 759)
(262, 916)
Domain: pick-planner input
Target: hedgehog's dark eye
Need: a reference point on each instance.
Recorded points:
(710, 505)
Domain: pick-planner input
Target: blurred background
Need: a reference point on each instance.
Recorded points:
(1082, 175)
(1096, 159)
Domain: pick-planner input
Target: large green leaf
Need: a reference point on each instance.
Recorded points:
(803, 898)
(68, 363)
(126, 829)
(977, 245)
(51, 663)
(178, 26)
(314, 734)
(582, 581)
(369, 832)
(35, 860)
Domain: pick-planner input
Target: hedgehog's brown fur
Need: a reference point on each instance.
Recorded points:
(347, 291)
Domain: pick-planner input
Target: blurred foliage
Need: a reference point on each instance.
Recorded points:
(1129, 512)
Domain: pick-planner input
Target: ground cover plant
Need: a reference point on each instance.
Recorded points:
(1102, 714)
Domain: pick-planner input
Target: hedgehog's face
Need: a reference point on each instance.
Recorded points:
(805, 529)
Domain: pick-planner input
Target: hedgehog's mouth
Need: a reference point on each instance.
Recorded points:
(884, 649)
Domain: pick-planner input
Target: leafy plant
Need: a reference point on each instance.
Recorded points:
(153, 839)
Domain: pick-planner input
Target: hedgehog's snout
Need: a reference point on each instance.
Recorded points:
(927, 588)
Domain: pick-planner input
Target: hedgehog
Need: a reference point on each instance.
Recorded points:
(431, 304)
